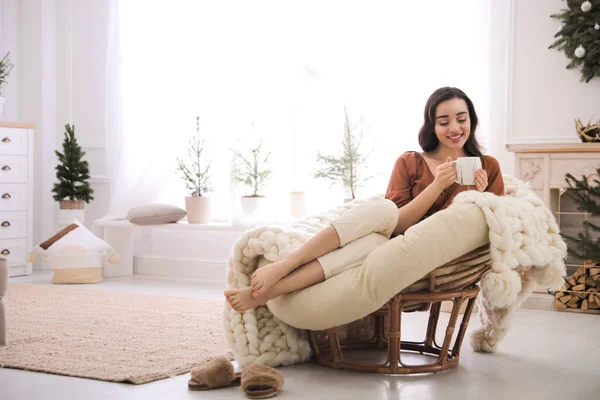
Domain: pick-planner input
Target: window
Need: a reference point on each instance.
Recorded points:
(283, 72)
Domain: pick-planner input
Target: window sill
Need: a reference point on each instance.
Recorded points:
(239, 224)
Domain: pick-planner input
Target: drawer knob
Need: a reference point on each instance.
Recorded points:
(5, 252)
(6, 140)
(6, 168)
(5, 224)
(6, 196)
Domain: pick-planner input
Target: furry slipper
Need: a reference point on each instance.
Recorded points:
(215, 374)
(261, 381)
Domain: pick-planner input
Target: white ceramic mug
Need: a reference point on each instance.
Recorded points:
(465, 169)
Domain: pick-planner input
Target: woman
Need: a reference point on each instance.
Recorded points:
(421, 184)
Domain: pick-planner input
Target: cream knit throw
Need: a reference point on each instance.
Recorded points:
(526, 250)
(256, 335)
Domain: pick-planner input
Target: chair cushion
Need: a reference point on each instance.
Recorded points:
(392, 267)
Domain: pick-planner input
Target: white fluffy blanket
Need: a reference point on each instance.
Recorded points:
(526, 251)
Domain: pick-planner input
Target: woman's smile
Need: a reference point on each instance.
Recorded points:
(456, 138)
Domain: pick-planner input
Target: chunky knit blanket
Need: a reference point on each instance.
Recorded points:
(526, 251)
(256, 335)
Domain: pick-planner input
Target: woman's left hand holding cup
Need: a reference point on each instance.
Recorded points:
(481, 180)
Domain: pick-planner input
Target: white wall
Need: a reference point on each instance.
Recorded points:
(546, 97)
(81, 60)
(8, 43)
(58, 49)
(500, 58)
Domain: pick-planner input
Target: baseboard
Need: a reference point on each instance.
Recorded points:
(204, 270)
(539, 301)
(17, 270)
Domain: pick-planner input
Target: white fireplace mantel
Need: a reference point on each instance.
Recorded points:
(544, 165)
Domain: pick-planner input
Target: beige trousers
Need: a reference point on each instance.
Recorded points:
(361, 230)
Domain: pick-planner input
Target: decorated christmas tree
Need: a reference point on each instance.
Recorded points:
(586, 246)
(72, 171)
(578, 36)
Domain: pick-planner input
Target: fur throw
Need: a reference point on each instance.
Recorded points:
(526, 251)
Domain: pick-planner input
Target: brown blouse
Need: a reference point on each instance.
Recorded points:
(411, 176)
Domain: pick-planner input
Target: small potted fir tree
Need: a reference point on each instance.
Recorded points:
(196, 173)
(5, 68)
(72, 191)
(346, 168)
(251, 169)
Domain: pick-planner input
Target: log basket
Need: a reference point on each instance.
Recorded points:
(455, 281)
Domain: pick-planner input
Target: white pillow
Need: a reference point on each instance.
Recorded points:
(73, 239)
(154, 214)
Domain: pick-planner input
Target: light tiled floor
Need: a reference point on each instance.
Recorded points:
(546, 355)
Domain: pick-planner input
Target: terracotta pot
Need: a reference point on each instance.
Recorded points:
(71, 204)
(198, 209)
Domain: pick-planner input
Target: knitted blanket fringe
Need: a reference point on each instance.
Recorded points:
(526, 251)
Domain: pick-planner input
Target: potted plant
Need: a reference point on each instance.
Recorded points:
(346, 168)
(72, 191)
(251, 169)
(5, 67)
(196, 176)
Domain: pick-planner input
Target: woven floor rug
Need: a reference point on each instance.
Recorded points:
(110, 336)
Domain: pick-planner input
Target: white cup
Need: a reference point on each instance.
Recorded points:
(465, 169)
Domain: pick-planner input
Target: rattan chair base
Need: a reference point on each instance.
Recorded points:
(330, 352)
(382, 329)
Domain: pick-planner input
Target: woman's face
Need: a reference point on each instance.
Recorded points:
(452, 123)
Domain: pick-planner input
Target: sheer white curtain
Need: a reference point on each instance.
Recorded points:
(287, 69)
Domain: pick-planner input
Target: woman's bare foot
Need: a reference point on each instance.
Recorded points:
(265, 277)
(242, 299)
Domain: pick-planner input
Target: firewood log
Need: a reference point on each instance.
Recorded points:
(566, 298)
(574, 302)
(578, 288)
(558, 304)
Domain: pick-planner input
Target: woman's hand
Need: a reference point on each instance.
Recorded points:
(445, 174)
(481, 180)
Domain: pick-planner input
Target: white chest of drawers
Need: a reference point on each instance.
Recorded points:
(16, 195)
